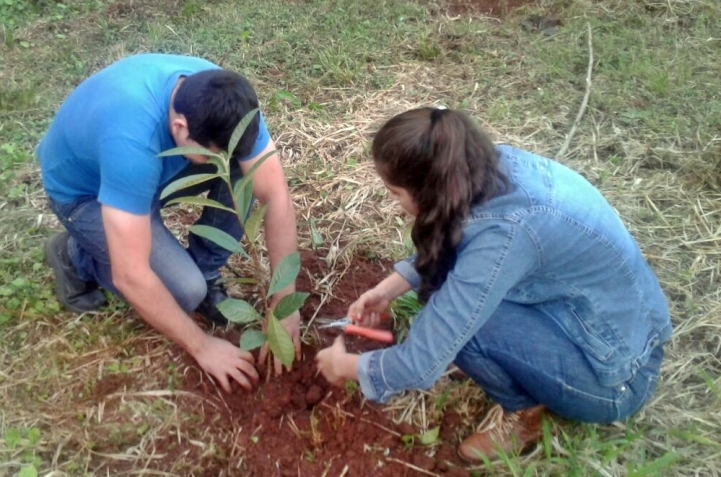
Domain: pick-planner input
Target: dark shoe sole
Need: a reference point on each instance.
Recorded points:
(87, 302)
(212, 315)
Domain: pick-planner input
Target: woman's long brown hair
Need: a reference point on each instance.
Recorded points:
(448, 165)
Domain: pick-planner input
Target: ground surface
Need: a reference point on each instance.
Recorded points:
(301, 425)
(495, 8)
(296, 424)
(100, 395)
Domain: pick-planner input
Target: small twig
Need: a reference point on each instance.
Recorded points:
(269, 367)
(308, 327)
(390, 431)
(336, 409)
(411, 466)
(584, 103)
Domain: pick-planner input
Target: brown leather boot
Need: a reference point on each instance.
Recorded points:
(504, 432)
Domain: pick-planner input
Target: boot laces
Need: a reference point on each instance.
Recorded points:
(497, 423)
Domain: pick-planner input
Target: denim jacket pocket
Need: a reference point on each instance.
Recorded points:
(591, 342)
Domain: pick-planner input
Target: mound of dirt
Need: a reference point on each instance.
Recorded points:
(297, 424)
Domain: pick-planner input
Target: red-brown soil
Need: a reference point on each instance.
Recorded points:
(298, 425)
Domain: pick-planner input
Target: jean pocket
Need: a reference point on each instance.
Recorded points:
(70, 212)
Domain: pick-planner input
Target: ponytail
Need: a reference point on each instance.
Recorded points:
(448, 165)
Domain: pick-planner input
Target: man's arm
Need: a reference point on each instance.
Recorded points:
(281, 237)
(129, 244)
(271, 188)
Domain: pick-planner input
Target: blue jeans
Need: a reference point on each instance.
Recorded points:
(522, 358)
(183, 272)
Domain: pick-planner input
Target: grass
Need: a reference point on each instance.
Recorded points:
(328, 74)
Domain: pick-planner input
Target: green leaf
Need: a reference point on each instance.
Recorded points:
(280, 342)
(315, 236)
(184, 151)
(252, 224)
(243, 195)
(289, 304)
(285, 273)
(34, 435)
(28, 471)
(430, 437)
(246, 183)
(288, 96)
(656, 466)
(252, 339)
(20, 282)
(196, 200)
(240, 130)
(238, 311)
(184, 182)
(222, 163)
(12, 437)
(218, 237)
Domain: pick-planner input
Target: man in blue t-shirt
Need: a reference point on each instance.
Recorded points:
(103, 178)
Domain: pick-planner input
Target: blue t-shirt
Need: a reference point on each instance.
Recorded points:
(105, 138)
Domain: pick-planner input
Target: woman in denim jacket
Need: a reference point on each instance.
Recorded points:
(531, 283)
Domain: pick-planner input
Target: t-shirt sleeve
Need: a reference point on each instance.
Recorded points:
(261, 142)
(129, 176)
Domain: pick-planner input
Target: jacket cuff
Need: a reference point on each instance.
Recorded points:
(364, 380)
(406, 269)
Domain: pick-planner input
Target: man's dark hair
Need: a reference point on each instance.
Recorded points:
(213, 102)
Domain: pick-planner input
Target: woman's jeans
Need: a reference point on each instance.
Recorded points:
(184, 272)
(521, 358)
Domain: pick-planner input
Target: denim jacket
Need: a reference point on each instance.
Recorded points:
(551, 242)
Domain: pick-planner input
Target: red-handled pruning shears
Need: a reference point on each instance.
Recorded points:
(346, 324)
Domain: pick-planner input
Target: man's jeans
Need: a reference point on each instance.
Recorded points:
(184, 272)
(522, 357)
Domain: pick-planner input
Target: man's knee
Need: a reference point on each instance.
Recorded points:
(189, 292)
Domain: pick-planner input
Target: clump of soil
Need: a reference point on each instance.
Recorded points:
(298, 425)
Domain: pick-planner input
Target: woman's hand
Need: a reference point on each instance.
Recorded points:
(337, 365)
(370, 309)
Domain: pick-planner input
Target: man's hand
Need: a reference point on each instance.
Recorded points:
(292, 326)
(336, 364)
(129, 239)
(224, 361)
